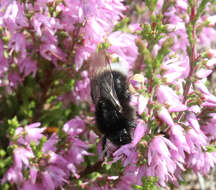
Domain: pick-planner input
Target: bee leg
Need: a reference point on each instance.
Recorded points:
(104, 146)
(104, 143)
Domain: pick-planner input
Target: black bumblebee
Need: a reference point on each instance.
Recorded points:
(111, 96)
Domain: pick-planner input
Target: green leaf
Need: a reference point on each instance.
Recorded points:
(151, 4)
(122, 25)
(200, 9)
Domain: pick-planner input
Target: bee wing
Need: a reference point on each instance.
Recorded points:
(102, 86)
(98, 64)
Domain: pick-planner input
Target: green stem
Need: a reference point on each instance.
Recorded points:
(193, 58)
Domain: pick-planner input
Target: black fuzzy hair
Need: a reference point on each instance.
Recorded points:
(115, 125)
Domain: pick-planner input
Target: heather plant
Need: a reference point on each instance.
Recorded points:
(48, 137)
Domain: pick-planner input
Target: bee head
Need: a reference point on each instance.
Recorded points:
(121, 137)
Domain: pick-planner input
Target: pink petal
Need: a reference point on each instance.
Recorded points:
(142, 103)
(164, 115)
(192, 120)
(139, 132)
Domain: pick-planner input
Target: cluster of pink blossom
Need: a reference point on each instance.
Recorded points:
(29, 29)
(184, 113)
(50, 165)
(177, 120)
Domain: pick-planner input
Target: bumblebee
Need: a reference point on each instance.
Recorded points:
(110, 93)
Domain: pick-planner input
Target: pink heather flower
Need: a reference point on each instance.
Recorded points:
(201, 87)
(82, 88)
(74, 127)
(75, 156)
(206, 36)
(179, 35)
(47, 181)
(159, 5)
(142, 104)
(126, 153)
(71, 12)
(13, 175)
(33, 174)
(106, 11)
(195, 140)
(203, 73)
(212, 20)
(82, 54)
(55, 176)
(173, 17)
(3, 60)
(50, 144)
(164, 115)
(166, 95)
(130, 177)
(178, 157)
(41, 4)
(192, 120)
(175, 69)
(17, 43)
(139, 132)
(13, 16)
(211, 62)
(155, 50)
(211, 53)
(11, 11)
(92, 137)
(201, 162)
(134, 100)
(209, 104)
(29, 186)
(51, 51)
(123, 45)
(54, 172)
(94, 26)
(31, 132)
(21, 157)
(209, 98)
(77, 151)
(182, 4)
(14, 79)
(209, 128)
(160, 161)
(42, 23)
(160, 145)
(99, 18)
(195, 108)
(56, 159)
(71, 167)
(28, 66)
(135, 27)
(177, 137)
(21, 161)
